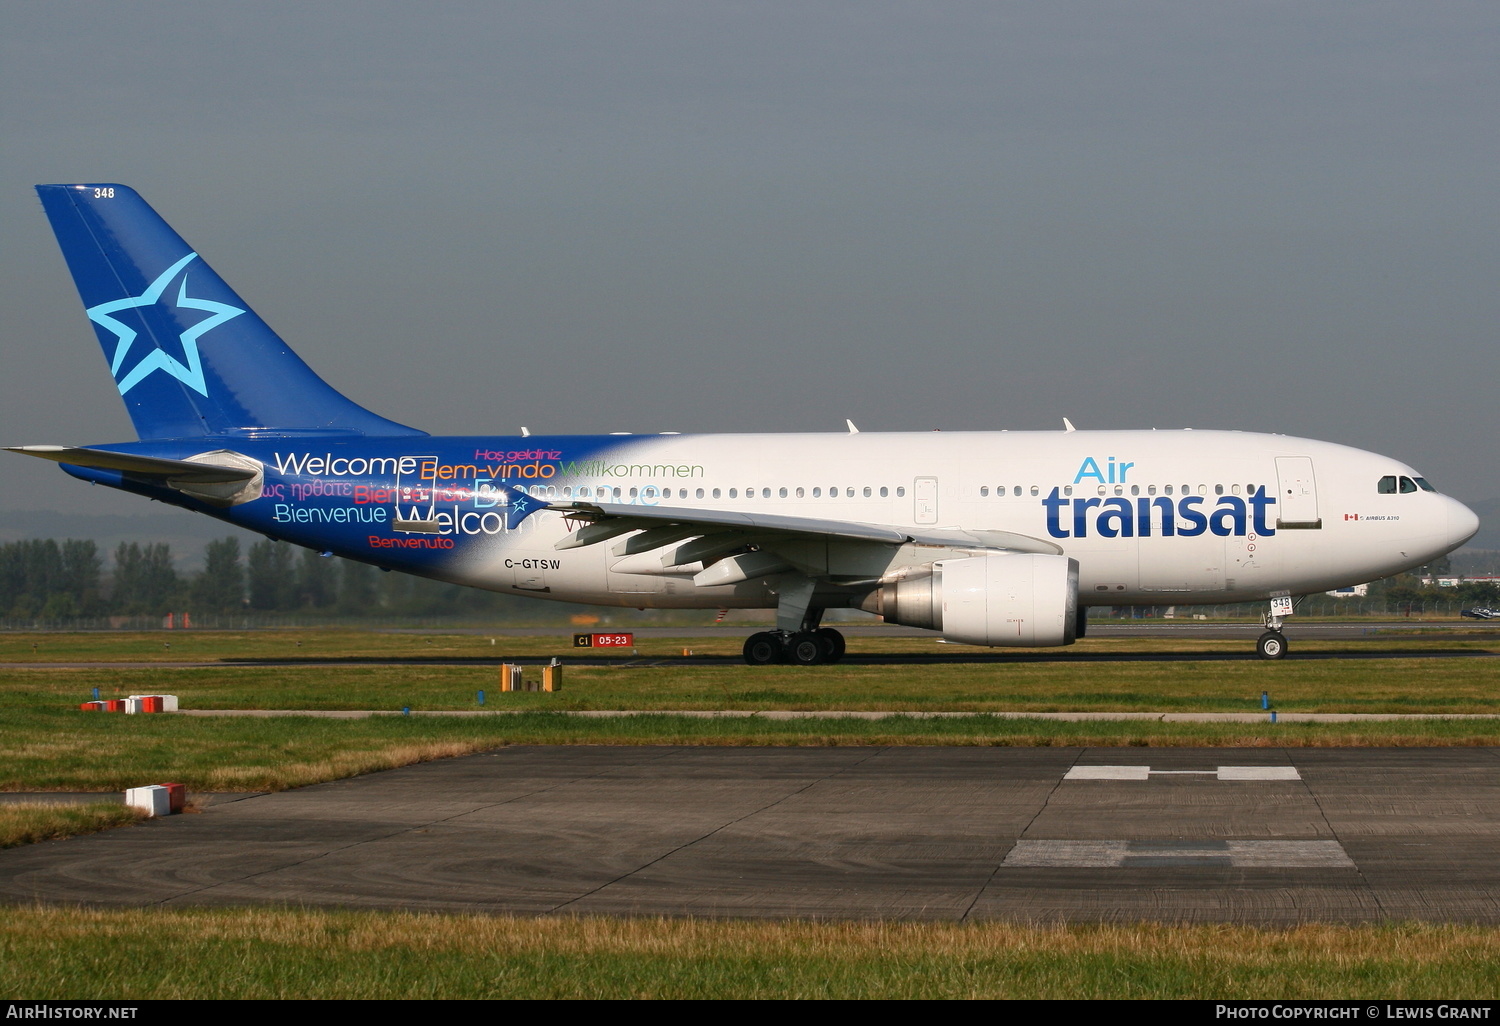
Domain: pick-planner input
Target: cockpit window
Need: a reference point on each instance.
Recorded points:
(1387, 485)
(1408, 485)
(1422, 484)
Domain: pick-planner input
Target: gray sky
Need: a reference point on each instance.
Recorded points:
(690, 216)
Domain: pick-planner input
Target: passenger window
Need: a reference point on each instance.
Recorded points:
(1167, 490)
(1016, 490)
(1202, 489)
(1103, 490)
(1067, 489)
(734, 493)
(700, 493)
(849, 493)
(716, 493)
(817, 493)
(900, 491)
(799, 493)
(867, 491)
(1235, 489)
(984, 491)
(1119, 490)
(1218, 489)
(885, 492)
(1035, 490)
(1135, 489)
(1387, 485)
(782, 493)
(1408, 485)
(632, 493)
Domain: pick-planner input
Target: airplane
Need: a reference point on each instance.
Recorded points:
(993, 538)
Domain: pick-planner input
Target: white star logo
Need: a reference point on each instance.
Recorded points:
(190, 372)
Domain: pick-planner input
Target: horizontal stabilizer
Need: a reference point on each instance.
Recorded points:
(139, 466)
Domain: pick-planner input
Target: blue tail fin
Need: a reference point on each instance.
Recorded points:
(189, 356)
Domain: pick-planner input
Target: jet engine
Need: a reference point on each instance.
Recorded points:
(1011, 599)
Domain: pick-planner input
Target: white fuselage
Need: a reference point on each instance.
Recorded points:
(1151, 516)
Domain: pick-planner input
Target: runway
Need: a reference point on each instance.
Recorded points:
(1260, 836)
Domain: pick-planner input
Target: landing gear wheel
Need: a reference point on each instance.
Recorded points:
(1271, 645)
(833, 643)
(762, 649)
(805, 649)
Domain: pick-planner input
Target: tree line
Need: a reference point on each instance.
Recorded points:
(50, 580)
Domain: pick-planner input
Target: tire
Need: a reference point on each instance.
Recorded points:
(805, 648)
(762, 649)
(1271, 645)
(833, 644)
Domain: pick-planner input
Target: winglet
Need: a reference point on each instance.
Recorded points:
(1068, 425)
(852, 429)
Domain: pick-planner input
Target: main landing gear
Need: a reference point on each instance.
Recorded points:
(800, 648)
(797, 638)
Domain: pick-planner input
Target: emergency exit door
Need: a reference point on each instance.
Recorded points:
(925, 500)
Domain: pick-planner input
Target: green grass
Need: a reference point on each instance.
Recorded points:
(1399, 684)
(29, 822)
(147, 954)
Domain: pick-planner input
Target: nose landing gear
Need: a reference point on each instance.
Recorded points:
(1272, 644)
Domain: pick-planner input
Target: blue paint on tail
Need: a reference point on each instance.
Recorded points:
(189, 356)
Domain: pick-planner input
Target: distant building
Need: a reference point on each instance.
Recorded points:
(1353, 591)
(1454, 582)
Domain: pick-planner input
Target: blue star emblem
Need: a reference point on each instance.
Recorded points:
(519, 508)
(188, 370)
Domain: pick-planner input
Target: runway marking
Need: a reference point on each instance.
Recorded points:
(1108, 773)
(1259, 773)
(1146, 773)
(1139, 854)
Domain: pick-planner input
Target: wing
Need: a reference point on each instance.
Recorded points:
(734, 546)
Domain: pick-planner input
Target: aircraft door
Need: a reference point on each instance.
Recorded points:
(925, 500)
(416, 499)
(1296, 494)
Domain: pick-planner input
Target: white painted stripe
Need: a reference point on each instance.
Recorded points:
(1259, 773)
(1183, 773)
(1081, 854)
(1146, 772)
(1169, 854)
(1108, 773)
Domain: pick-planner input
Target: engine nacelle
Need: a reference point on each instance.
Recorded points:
(1013, 600)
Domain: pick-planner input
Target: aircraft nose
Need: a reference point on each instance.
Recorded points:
(1463, 523)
